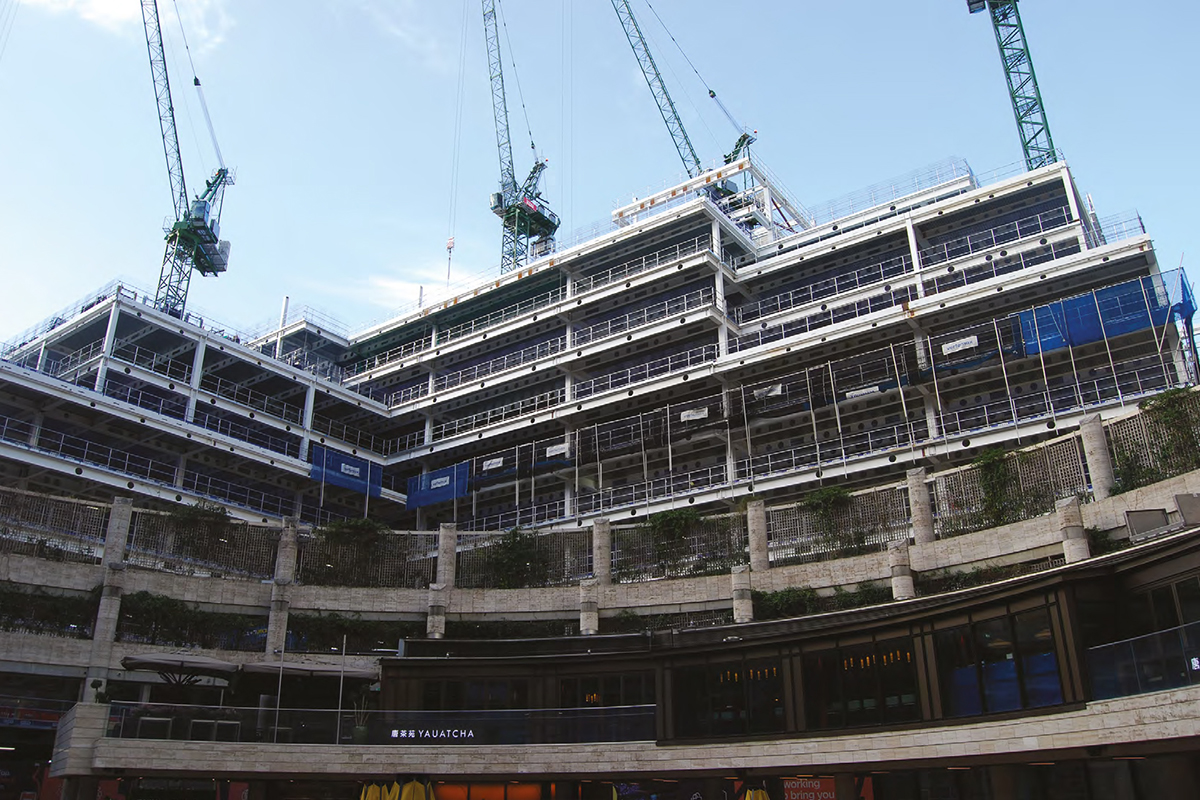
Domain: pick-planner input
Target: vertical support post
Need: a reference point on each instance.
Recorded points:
(435, 619)
(1096, 455)
(110, 336)
(920, 506)
(759, 536)
(194, 380)
(602, 551)
(589, 607)
(1070, 526)
(310, 402)
(285, 575)
(116, 538)
(743, 605)
(901, 570)
(447, 551)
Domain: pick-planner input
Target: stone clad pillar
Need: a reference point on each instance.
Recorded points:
(589, 607)
(920, 507)
(756, 530)
(743, 604)
(435, 619)
(1095, 453)
(285, 575)
(902, 577)
(116, 538)
(1070, 526)
(602, 551)
(447, 553)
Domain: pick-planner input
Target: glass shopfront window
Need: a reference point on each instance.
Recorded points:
(730, 698)
(1001, 664)
(867, 684)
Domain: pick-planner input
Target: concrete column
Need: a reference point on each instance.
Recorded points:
(1070, 527)
(602, 551)
(277, 622)
(756, 527)
(435, 620)
(920, 508)
(285, 556)
(902, 578)
(104, 633)
(589, 606)
(116, 537)
(743, 605)
(447, 552)
(110, 336)
(194, 382)
(281, 592)
(1095, 453)
(310, 404)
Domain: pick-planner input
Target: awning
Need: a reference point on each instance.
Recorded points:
(310, 670)
(180, 667)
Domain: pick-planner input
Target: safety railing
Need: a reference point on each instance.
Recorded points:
(628, 269)
(357, 437)
(501, 364)
(974, 273)
(1168, 659)
(154, 362)
(237, 494)
(644, 316)
(251, 399)
(994, 237)
(680, 484)
(644, 372)
(167, 406)
(407, 394)
(823, 318)
(494, 416)
(520, 517)
(827, 287)
(246, 433)
(887, 191)
(403, 351)
(81, 450)
(501, 316)
(1115, 228)
(81, 356)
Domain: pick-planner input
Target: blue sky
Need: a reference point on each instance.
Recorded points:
(339, 118)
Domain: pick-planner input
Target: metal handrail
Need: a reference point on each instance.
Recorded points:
(647, 371)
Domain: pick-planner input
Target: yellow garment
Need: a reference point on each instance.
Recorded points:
(391, 792)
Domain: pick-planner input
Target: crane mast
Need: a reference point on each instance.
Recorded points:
(525, 217)
(662, 97)
(193, 241)
(1036, 142)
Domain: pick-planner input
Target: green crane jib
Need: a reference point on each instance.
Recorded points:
(1022, 82)
(527, 223)
(654, 80)
(193, 241)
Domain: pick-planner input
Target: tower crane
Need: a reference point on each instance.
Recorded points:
(1036, 141)
(525, 216)
(666, 106)
(193, 240)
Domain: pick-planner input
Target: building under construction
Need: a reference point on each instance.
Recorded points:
(720, 341)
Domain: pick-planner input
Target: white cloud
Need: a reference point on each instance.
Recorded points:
(206, 21)
(401, 19)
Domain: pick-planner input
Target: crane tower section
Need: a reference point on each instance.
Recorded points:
(193, 239)
(527, 223)
(1036, 141)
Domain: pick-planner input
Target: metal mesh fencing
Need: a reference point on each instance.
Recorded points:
(54, 528)
(397, 560)
(1161, 442)
(520, 558)
(696, 546)
(1007, 489)
(160, 542)
(865, 523)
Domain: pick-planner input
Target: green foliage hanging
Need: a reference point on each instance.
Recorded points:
(998, 482)
(158, 619)
(515, 561)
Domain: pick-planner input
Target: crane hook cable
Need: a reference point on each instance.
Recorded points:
(711, 93)
(455, 159)
(200, 91)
